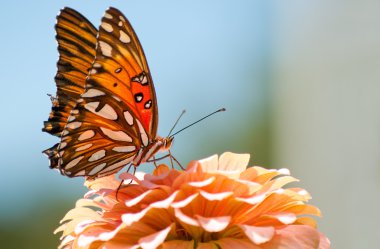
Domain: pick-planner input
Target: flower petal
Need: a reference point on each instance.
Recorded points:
(284, 218)
(233, 162)
(236, 243)
(203, 183)
(184, 202)
(215, 203)
(208, 164)
(294, 237)
(82, 213)
(207, 246)
(184, 218)
(258, 235)
(90, 235)
(166, 202)
(129, 218)
(178, 244)
(213, 224)
(215, 196)
(137, 199)
(154, 240)
(103, 182)
(324, 242)
(253, 200)
(161, 170)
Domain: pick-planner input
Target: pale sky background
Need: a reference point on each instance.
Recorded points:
(300, 81)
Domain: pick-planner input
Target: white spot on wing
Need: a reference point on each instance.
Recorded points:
(105, 48)
(92, 93)
(144, 136)
(73, 162)
(97, 65)
(80, 173)
(120, 23)
(122, 18)
(106, 112)
(144, 79)
(86, 135)
(116, 135)
(148, 104)
(107, 27)
(93, 71)
(71, 118)
(108, 16)
(124, 148)
(91, 106)
(64, 133)
(97, 168)
(97, 155)
(124, 37)
(119, 164)
(128, 117)
(83, 147)
(74, 125)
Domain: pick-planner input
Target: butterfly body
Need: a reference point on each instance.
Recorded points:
(105, 111)
(144, 154)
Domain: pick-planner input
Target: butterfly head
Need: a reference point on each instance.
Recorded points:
(166, 143)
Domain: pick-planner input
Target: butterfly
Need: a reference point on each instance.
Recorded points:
(105, 110)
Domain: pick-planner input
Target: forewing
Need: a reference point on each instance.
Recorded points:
(76, 38)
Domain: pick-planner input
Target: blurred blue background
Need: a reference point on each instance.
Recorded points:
(300, 81)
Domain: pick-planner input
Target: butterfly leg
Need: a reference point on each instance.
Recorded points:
(158, 159)
(118, 189)
(173, 158)
(134, 172)
(122, 181)
(154, 161)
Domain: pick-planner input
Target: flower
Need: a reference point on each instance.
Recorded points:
(216, 202)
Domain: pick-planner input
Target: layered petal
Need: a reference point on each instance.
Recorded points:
(216, 203)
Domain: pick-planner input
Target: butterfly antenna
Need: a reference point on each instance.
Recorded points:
(220, 110)
(176, 122)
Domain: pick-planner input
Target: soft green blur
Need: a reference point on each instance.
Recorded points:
(299, 80)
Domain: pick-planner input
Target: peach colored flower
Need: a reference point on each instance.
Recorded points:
(215, 203)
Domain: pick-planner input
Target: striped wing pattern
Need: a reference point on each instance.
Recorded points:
(116, 115)
(76, 38)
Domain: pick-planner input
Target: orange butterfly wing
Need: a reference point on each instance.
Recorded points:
(117, 114)
(76, 38)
